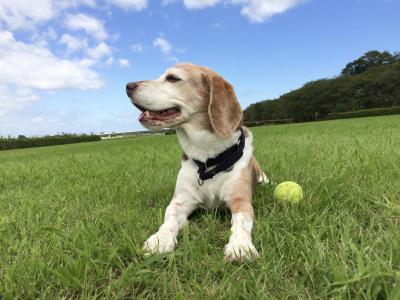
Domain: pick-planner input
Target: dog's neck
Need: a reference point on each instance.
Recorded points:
(201, 143)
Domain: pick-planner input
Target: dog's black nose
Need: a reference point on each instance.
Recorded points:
(130, 87)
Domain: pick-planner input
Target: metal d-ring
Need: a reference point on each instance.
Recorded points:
(199, 180)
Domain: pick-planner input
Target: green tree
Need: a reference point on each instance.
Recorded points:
(372, 81)
(368, 60)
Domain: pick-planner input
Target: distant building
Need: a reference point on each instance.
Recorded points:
(119, 135)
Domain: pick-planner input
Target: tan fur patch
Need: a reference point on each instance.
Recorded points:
(241, 205)
(258, 172)
(224, 114)
(195, 68)
(224, 109)
(240, 198)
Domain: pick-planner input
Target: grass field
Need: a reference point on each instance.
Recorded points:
(73, 219)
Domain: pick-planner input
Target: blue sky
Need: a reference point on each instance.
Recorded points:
(64, 64)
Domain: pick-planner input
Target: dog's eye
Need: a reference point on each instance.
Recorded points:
(172, 78)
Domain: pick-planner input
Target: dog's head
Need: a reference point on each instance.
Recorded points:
(187, 94)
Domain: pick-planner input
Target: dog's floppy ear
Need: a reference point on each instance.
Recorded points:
(224, 109)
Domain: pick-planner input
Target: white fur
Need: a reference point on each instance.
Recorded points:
(160, 94)
(240, 245)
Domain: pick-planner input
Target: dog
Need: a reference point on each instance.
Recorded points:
(218, 167)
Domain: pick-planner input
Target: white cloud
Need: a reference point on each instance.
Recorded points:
(26, 14)
(254, 10)
(43, 37)
(75, 3)
(23, 14)
(79, 118)
(109, 61)
(261, 10)
(34, 120)
(89, 24)
(50, 34)
(98, 52)
(124, 63)
(163, 45)
(38, 119)
(137, 48)
(129, 4)
(12, 99)
(31, 66)
(87, 62)
(73, 43)
(197, 4)
(166, 48)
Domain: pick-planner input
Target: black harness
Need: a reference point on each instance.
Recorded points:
(223, 162)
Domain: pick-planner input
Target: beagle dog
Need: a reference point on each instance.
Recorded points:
(218, 168)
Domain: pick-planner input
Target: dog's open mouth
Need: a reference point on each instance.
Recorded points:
(160, 115)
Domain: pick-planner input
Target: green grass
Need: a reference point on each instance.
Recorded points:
(73, 219)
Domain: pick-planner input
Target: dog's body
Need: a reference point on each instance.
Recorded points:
(203, 108)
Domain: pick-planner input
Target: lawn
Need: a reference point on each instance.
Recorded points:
(73, 219)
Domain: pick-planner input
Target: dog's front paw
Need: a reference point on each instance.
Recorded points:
(159, 243)
(239, 250)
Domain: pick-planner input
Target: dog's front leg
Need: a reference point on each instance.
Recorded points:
(240, 245)
(176, 214)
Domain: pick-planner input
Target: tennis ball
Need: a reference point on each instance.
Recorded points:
(288, 191)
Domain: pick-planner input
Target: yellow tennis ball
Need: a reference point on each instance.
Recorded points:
(288, 191)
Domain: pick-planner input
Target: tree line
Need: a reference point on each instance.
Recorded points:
(8, 143)
(369, 82)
